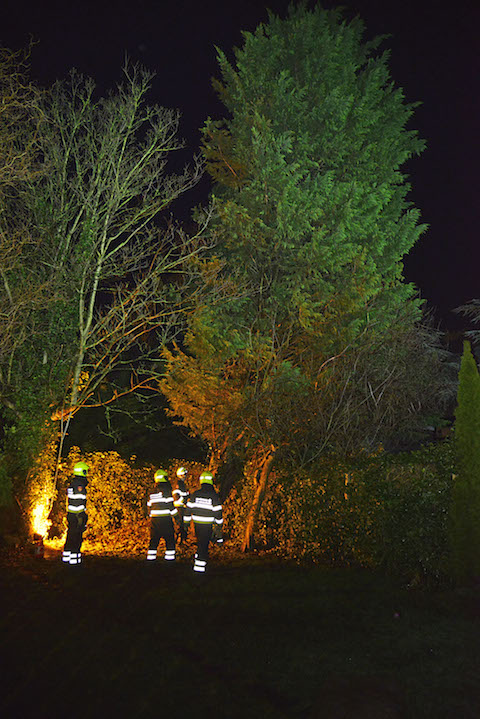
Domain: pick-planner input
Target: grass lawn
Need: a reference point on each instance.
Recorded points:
(254, 638)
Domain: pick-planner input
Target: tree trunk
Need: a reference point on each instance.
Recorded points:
(258, 499)
(227, 472)
(231, 473)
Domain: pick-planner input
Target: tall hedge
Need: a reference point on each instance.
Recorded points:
(387, 512)
(464, 518)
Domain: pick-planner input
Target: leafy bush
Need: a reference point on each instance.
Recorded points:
(116, 495)
(387, 511)
(401, 512)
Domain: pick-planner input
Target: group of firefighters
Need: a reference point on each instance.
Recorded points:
(203, 507)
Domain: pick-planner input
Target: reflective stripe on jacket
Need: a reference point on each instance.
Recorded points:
(160, 501)
(76, 496)
(204, 507)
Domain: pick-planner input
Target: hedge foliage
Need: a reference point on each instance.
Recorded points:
(386, 511)
(464, 524)
(116, 493)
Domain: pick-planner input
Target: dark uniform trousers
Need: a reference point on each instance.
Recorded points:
(76, 523)
(203, 533)
(204, 508)
(161, 527)
(180, 496)
(181, 525)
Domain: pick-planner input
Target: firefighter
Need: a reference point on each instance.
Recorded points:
(161, 510)
(76, 514)
(205, 509)
(180, 498)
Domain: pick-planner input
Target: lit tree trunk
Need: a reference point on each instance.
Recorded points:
(260, 490)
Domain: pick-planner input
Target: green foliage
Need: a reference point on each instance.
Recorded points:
(25, 437)
(30, 366)
(402, 512)
(6, 487)
(464, 525)
(320, 347)
(313, 220)
(467, 414)
(319, 217)
(83, 262)
(386, 511)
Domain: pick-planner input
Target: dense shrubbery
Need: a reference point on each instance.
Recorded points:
(388, 511)
(116, 493)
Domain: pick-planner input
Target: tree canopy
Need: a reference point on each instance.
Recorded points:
(308, 168)
(313, 220)
(97, 281)
(313, 215)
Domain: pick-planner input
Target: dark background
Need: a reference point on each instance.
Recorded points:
(434, 56)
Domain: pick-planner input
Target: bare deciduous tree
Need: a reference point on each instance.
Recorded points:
(112, 274)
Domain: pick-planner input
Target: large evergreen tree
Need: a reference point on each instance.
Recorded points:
(313, 222)
(311, 194)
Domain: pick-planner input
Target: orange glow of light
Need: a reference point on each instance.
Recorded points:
(40, 522)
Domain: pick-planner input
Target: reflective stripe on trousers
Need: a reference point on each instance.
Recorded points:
(169, 555)
(199, 565)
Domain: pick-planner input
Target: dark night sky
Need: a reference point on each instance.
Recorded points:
(435, 57)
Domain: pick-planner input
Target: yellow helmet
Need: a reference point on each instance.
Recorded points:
(182, 472)
(206, 478)
(161, 475)
(80, 469)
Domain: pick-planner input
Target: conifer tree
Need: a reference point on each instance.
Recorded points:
(309, 187)
(464, 520)
(313, 222)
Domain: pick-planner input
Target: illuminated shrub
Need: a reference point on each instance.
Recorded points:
(116, 495)
(387, 512)
(42, 493)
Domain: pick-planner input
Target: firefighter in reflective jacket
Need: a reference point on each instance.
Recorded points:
(161, 510)
(205, 509)
(76, 514)
(180, 498)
